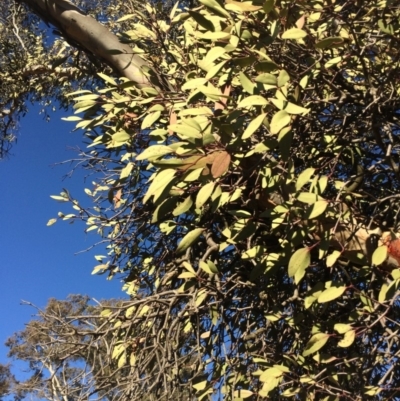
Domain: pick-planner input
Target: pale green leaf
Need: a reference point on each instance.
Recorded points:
(317, 341)
(155, 151)
(294, 33)
(332, 258)
(380, 255)
(331, 293)
(333, 61)
(317, 209)
(254, 100)
(304, 178)
(279, 120)
(150, 119)
(300, 260)
(59, 198)
(307, 197)
(243, 394)
(283, 78)
(185, 130)
(183, 207)
(348, 339)
(253, 126)
(342, 328)
(126, 171)
(188, 239)
(246, 83)
(106, 78)
(383, 292)
(268, 79)
(194, 83)
(204, 194)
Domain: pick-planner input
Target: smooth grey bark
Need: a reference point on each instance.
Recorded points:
(91, 35)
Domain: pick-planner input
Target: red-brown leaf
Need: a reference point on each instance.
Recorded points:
(220, 164)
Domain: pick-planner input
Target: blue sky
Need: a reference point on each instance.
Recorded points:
(39, 262)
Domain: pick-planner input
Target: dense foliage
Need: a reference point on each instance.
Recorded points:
(244, 205)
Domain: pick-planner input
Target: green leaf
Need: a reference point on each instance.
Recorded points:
(348, 339)
(307, 197)
(267, 79)
(106, 78)
(194, 84)
(329, 43)
(183, 207)
(205, 267)
(150, 119)
(200, 386)
(342, 328)
(299, 261)
(294, 33)
(100, 268)
(159, 183)
(304, 178)
(333, 62)
(188, 239)
(202, 21)
(331, 293)
(253, 126)
(204, 194)
(59, 198)
(154, 152)
(316, 209)
(279, 120)
(120, 138)
(242, 394)
(254, 100)
(246, 83)
(215, 6)
(185, 130)
(215, 36)
(201, 296)
(380, 255)
(125, 172)
(317, 341)
(283, 78)
(332, 258)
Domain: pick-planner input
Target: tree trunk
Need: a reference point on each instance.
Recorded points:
(92, 36)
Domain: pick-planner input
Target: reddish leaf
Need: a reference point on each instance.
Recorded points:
(221, 164)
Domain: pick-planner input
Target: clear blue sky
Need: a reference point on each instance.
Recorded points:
(39, 262)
